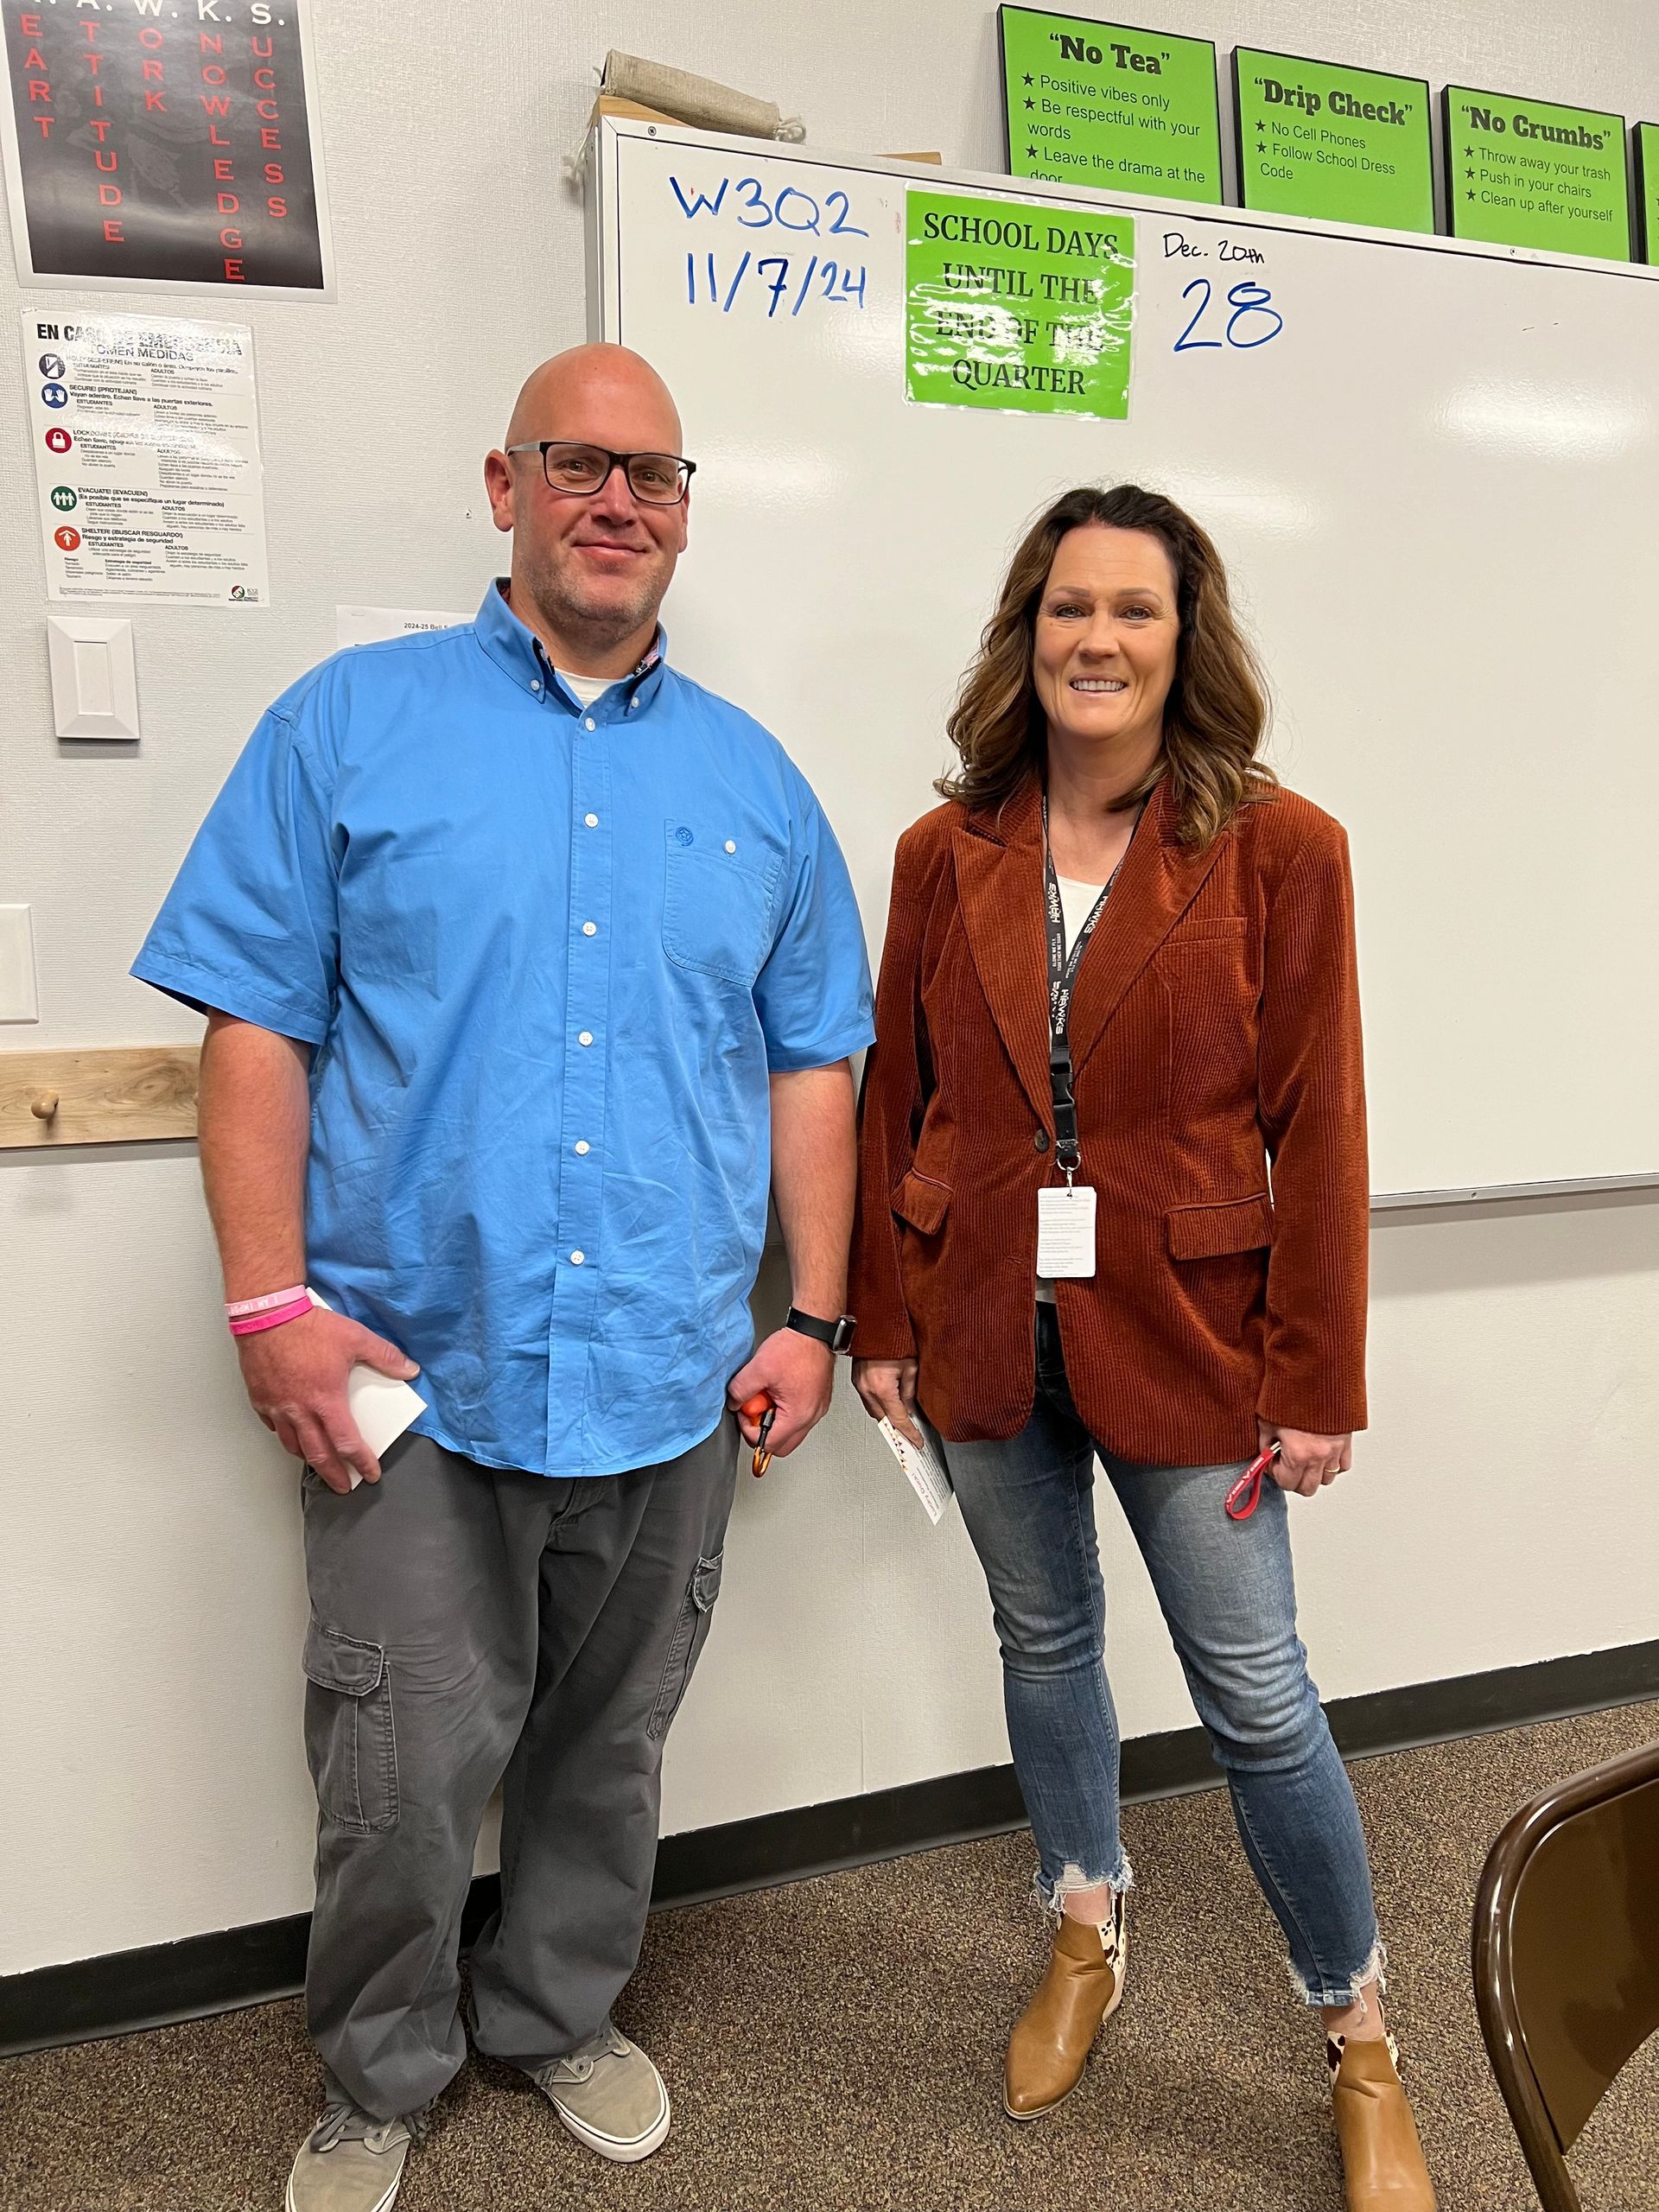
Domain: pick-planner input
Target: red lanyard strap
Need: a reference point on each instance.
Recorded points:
(1246, 1493)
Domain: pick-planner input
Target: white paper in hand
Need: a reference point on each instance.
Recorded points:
(927, 1477)
(382, 1406)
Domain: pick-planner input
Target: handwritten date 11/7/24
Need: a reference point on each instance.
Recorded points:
(785, 283)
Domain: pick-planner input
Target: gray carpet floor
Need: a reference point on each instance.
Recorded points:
(835, 2046)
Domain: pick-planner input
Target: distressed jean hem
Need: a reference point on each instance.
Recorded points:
(1375, 1969)
(1050, 1895)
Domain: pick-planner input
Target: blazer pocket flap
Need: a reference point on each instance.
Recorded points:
(335, 1661)
(1207, 928)
(1207, 1232)
(922, 1203)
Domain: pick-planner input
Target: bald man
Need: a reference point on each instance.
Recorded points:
(527, 964)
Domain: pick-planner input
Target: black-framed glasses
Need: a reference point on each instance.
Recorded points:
(658, 480)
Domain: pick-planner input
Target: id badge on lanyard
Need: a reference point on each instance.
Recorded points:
(1065, 1216)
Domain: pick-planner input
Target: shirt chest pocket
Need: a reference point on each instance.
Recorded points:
(718, 896)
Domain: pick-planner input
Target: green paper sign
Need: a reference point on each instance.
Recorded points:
(1529, 173)
(1108, 105)
(1016, 305)
(1647, 187)
(1319, 138)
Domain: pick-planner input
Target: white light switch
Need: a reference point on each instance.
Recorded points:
(19, 999)
(94, 684)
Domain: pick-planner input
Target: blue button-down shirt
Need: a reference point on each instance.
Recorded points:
(547, 954)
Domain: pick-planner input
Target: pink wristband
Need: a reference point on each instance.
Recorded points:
(255, 1323)
(264, 1305)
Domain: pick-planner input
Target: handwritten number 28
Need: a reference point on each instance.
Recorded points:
(1246, 300)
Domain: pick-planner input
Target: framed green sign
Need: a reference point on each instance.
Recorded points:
(1532, 172)
(1110, 105)
(1319, 138)
(1647, 190)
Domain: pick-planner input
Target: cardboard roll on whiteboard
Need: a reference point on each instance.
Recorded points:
(696, 100)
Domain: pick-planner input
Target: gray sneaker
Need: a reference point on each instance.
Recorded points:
(609, 2095)
(351, 2162)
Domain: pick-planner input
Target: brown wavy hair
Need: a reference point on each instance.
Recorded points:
(1216, 713)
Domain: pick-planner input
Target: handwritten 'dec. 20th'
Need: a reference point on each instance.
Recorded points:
(784, 283)
(1246, 319)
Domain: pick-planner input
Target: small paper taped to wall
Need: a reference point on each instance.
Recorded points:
(382, 1406)
(926, 1476)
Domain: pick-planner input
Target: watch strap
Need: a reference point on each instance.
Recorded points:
(837, 1334)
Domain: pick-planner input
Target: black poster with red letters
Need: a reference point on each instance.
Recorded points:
(162, 143)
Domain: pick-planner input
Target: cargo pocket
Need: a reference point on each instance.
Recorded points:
(350, 1745)
(691, 1634)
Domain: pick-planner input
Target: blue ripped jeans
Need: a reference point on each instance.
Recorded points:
(1228, 1595)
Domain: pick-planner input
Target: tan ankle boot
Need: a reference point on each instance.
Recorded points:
(1083, 1986)
(1382, 2159)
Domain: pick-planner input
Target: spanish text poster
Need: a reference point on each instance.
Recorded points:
(1317, 138)
(1017, 305)
(1108, 105)
(147, 468)
(1528, 172)
(162, 144)
(1647, 187)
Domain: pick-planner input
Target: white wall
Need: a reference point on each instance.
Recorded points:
(151, 1781)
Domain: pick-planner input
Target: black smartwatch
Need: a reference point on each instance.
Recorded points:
(838, 1335)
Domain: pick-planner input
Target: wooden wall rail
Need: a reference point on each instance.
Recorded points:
(119, 1095)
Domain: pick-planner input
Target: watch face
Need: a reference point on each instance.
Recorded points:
(845, 1330)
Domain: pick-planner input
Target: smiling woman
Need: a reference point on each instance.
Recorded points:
(1205, 737)
(1069, 1248)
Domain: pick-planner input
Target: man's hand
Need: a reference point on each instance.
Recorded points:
(296, 1384)
(798, 1374)
(888, 1389)
(1307, 1461)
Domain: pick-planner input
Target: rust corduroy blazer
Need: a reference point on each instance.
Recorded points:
(1215, 1027)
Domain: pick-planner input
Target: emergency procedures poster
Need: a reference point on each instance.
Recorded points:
(162, 144)
(147, 468)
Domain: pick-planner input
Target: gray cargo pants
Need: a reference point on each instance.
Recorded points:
(470, 1624)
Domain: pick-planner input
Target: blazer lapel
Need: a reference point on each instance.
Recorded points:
(999, 890)
(1158, 880)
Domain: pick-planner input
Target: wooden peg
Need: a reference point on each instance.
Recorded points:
(104, 1095)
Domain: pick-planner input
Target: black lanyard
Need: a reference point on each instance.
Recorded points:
(1062, 975)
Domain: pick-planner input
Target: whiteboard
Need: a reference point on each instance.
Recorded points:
(1436, 490)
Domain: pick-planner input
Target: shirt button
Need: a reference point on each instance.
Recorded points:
(730, 847)
(592, 820)
(1041, 1140)
(586, 1036)
(590, 929)
(582, 1145)
(534, 685)
(576, 1259)
(590, 723)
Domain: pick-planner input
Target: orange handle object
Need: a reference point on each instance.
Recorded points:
(762, 1408)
